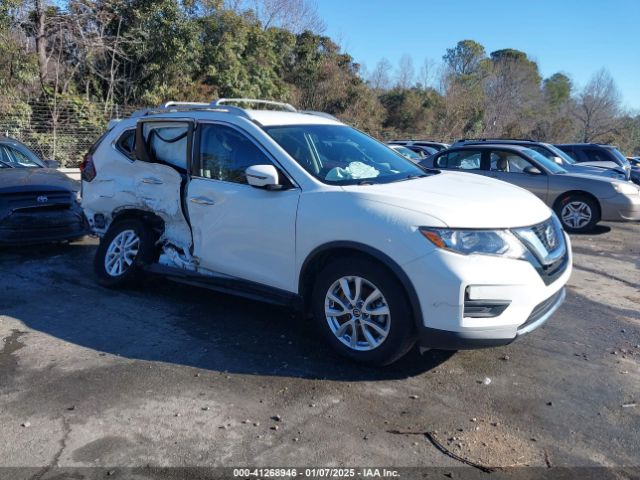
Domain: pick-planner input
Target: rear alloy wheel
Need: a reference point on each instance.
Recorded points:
(578, 214)
(127, 246)
(121, 253)
(362, 311)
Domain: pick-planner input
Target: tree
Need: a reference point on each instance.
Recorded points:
(512, 91)
(597, 107)
(379, 79)
(293, 15)
(557, 89)
(465, 58)
(406, 72)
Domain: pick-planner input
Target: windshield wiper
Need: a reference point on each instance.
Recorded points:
(411, 176)
(365, 182)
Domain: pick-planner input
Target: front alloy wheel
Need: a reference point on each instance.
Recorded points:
(362, 311)
(357, 313)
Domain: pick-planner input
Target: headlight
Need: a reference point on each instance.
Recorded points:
(482, 242)
(626, 188)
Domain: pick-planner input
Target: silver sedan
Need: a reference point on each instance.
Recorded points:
(580, 200)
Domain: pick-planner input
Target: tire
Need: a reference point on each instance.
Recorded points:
(395, 333)
(140, 245)
(578, 213)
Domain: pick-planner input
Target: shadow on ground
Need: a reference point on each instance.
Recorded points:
(52, 289)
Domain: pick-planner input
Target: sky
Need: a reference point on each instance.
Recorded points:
(570, 36)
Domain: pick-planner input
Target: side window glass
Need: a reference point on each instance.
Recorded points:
(465, 160)
(127, 143)
(594, 155)
(167, 143)
(225, 154)
(508, 162)
(572, 154)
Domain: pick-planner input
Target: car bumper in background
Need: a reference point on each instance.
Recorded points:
(33, 226)
(621, 208)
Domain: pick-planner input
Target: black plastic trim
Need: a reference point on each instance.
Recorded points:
(231, 285)
(448, 340)
(485, 308)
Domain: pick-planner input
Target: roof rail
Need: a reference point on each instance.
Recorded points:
(320, 114)
(225, 101)
(489, 139)
(185, 104)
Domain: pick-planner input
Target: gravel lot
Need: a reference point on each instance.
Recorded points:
(170, 375)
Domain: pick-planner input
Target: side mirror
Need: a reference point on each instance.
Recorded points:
(52, 164)
(263, 176)
(558, 160)
(532, 171)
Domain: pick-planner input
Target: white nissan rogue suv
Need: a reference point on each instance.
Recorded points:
(297, 208)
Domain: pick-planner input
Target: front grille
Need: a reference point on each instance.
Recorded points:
(542, 308)
(547, 248)
(547, 234)
(18, 200)
(550, 273)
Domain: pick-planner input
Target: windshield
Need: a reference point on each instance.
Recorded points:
(619, 156)
(407, 152)
(16, 156)
(559, 153)
(341, 155)
(549, 165)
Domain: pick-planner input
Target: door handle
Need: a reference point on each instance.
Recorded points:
(152, 181)
(203, 201)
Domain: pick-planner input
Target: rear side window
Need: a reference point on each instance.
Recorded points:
(127, 143)
(508, 162)
(595, 155)
(167, 143)
(225, 154)
(461, 160)
(571, 153)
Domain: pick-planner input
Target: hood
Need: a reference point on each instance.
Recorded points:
(605, 169)
(460, 200)
(40, 178)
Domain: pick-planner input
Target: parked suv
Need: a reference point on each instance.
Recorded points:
(596, 153)
(299, 209)
(605, 169)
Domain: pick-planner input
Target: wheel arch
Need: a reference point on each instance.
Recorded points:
(558, 201)
(323, 254)
(150, 219)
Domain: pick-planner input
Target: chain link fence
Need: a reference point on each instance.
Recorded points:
(61, 130)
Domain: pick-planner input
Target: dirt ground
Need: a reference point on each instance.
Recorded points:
(175, 376)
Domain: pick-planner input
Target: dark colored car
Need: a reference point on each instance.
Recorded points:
(598, 153)
(606, 169)
(38, 204)
(635, 169)
(580, 201)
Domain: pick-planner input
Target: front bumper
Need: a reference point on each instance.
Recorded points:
(621, 208)
(34, 226)
(470, 339)
(448, 283)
